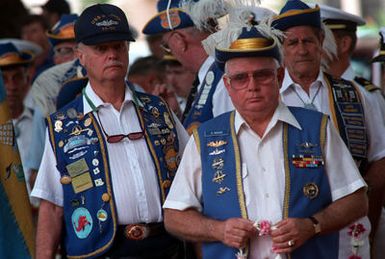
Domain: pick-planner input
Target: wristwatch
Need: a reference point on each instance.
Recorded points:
(316, 225)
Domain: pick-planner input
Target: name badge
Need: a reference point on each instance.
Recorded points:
(82, 182)
(78, 167)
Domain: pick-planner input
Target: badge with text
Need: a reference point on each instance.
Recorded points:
(82, 182)
(78, 167)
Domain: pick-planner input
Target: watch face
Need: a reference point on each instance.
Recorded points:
(316, 225)
(317, 228)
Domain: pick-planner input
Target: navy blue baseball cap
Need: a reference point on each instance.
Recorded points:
(102, 23)
(169, 17)
(297, 13)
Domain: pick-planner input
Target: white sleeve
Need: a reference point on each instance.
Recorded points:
(47, 185)
(186, 189)
(221, 100)
(343, 174)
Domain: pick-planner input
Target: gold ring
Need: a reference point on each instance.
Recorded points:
(290, 243)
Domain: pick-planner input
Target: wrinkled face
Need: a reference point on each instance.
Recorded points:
(302, 51)
(16, 85)
(180, 79)
(253, 84)
(64, 52)
(106, 61)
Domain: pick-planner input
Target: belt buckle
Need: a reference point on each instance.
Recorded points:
(136, 232)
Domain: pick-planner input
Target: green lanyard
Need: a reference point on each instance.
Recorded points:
(90, 103)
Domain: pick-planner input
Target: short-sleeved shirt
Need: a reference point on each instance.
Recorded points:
(133, 174)
(264, 174)
(292, 93)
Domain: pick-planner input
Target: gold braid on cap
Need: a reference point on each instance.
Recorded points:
(10, 58)
(253, 43)
(67, 32)
(297, 12)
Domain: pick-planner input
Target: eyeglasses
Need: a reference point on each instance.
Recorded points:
(63, 51)
(241, 80)
(164, 45)
(119, 137)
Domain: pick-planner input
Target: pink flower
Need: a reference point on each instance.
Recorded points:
(356, 230)
(264, 227)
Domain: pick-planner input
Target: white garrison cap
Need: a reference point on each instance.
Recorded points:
(336, 19)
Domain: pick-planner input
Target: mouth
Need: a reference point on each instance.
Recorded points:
(303, 61)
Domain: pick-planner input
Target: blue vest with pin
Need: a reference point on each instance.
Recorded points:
(307, 189)
(202, 107)
(82, 160)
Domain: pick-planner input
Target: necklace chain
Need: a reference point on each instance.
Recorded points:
(311, 104)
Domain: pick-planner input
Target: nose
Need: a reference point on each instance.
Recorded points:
(302, 49)
(253, 84)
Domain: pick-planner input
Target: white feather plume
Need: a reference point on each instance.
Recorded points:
(202, 11)
(329, 47)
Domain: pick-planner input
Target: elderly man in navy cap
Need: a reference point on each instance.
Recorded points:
(182, 35)
(280, 195)
(110, 156)
(344, 27)
(306, 85)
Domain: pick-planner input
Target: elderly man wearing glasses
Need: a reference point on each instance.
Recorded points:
(265, 180)
(110, 156)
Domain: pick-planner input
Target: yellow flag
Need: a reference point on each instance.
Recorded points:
(17, 231)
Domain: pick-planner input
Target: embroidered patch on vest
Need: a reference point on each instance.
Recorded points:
(311, 190)
(82, 222)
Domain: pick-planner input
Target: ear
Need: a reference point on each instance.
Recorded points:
(180, 41)
(80, 55)
(226, 82)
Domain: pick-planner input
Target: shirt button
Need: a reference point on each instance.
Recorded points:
(267, 195)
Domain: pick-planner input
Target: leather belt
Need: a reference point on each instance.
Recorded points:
(142, 231)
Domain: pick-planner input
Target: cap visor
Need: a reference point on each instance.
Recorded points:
(103, 38)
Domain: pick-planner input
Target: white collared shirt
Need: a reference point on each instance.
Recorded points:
(263, 173)
(134, 181)
(376, 136)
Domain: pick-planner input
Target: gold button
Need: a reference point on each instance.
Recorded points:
(61, 143)
(105, 197)
(65, 179)
(166, 184)
(87, 122)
